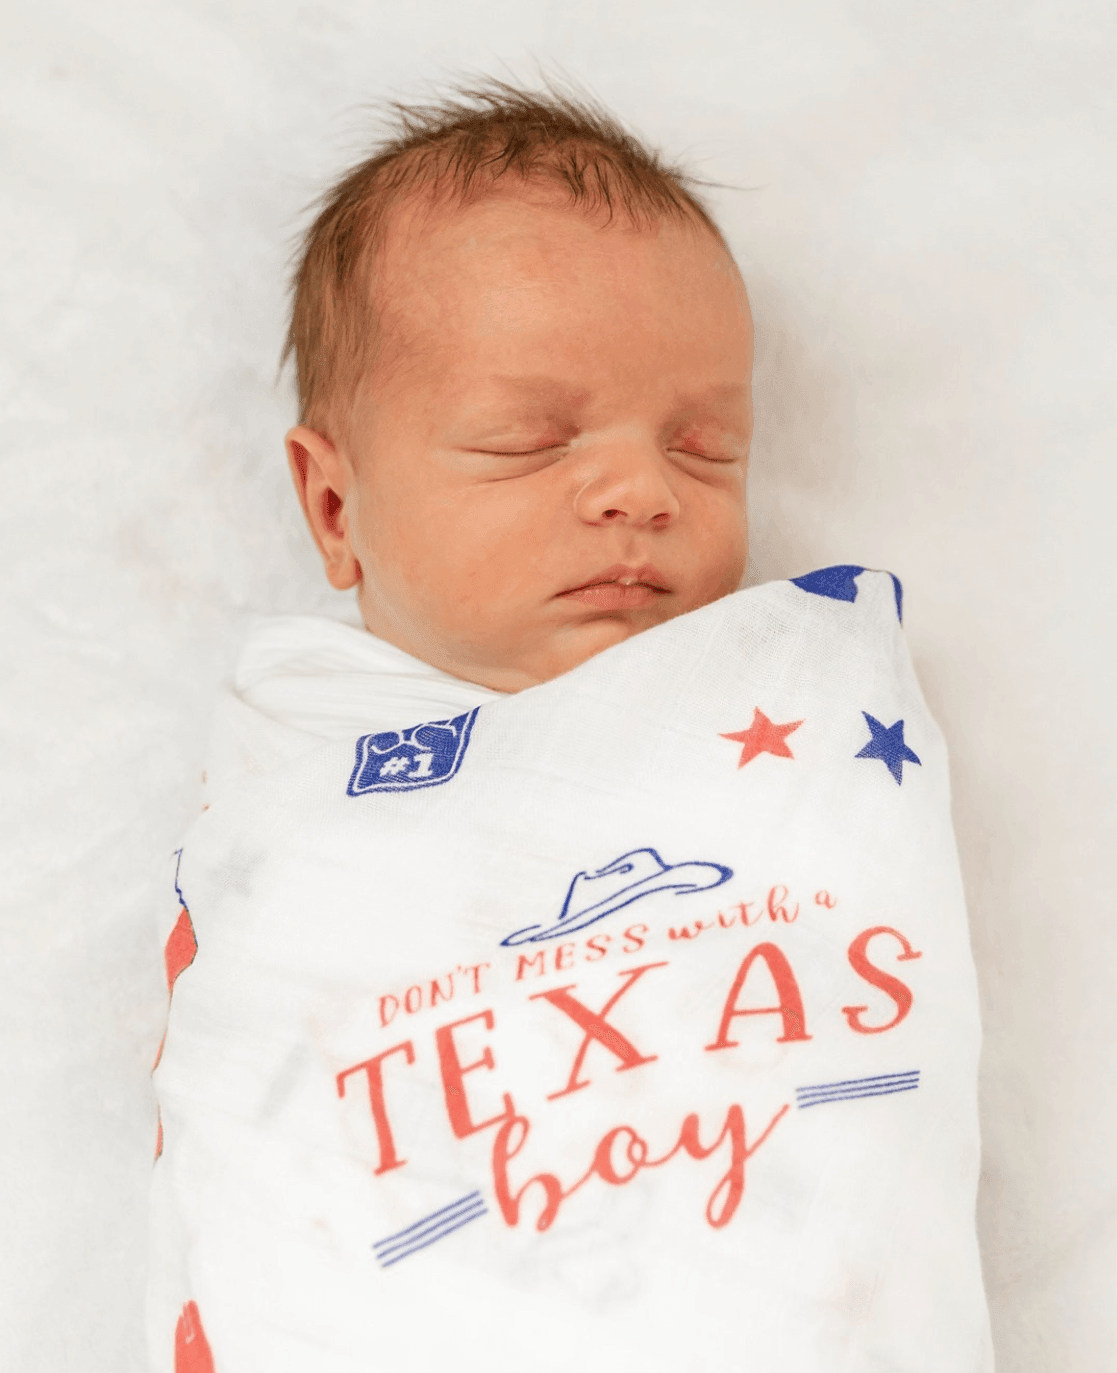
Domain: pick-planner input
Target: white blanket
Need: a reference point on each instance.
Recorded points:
(626, 1023)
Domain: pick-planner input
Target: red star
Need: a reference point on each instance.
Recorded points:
(762, 736)
(192, 1351)
(181, 948)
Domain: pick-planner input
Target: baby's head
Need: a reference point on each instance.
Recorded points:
(524, 361)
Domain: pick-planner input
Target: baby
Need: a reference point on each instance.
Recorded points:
(528, 923)
(524, 355)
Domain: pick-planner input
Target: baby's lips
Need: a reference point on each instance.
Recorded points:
(622, 573)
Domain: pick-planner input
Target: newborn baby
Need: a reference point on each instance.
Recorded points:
(526, 398)
(522, 918)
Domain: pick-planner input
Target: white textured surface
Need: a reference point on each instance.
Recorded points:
(928, 244)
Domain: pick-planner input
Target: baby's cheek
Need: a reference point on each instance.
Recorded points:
(718, 555)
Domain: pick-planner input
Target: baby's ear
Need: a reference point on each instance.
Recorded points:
(322, 479)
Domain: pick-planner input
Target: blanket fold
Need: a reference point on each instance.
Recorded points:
(627, 1023)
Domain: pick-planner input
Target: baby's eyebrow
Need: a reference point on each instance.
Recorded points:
(538, 386)
(552, 388)
(548, 399)
(718, 394)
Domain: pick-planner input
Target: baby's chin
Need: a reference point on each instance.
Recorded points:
(556, 652)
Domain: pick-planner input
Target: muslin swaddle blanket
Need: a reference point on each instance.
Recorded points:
(626, 1023)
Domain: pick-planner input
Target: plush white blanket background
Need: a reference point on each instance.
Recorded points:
(928, 241)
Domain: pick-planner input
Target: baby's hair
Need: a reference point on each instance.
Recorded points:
(456, 146)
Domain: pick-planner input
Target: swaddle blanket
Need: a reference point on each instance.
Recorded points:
(626, 1023)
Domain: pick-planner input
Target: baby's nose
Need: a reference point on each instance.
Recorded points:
(627, 483)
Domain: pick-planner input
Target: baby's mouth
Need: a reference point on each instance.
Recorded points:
(620, 588)
(621, 576)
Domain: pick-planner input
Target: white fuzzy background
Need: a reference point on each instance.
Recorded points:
(928, 236)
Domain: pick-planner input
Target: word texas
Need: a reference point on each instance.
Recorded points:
(622, 1153)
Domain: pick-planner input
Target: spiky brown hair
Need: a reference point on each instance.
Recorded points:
(455, 146)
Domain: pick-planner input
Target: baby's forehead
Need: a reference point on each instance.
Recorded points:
(435, 250)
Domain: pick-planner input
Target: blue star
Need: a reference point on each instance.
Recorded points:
(840, 584)
(888, 745)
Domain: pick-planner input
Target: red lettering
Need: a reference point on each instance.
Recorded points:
(412, 1004)
(597, 1027)
(876, 977)
(524, 963)
(564, 957)
(732, 1184)
(596, 950)
(375, 1079)
(620, 1156)
(789, 1007)
(725, 924)
(636, 940)
(504, 1150)
(437, 994)
(386, 1019)
(776, 908)
(453, 1072)
(635, 1152)
(823, 898)
(743, 907)
(475, 969)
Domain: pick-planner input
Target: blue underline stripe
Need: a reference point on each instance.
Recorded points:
(425, 1237)
(853, 1091)
(853, 1096)
(383, 1248)
(421, 1235)
(851, 1086)
(857, 1081)
(845, 1091)
(453, 1206)
(476, 1215)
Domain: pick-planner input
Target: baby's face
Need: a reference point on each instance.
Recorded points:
(550, 455)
